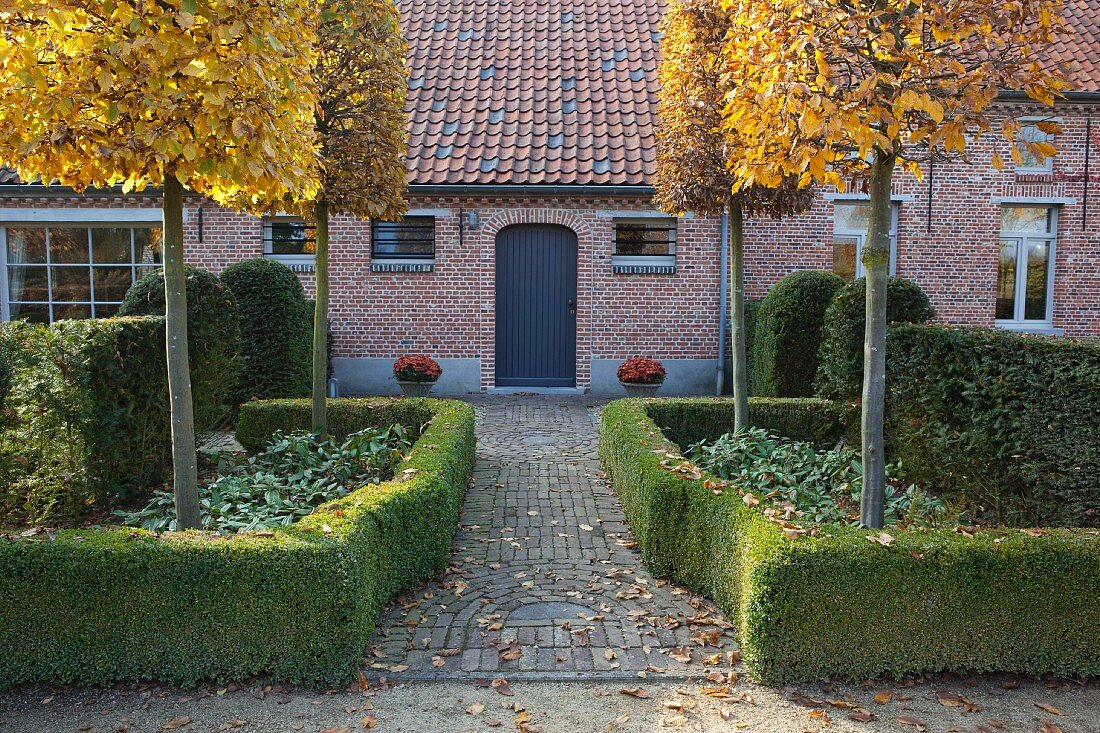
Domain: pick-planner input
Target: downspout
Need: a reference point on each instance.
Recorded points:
(723, 304)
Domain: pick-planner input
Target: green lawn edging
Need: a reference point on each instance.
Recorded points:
(839, 605)
(296, 604)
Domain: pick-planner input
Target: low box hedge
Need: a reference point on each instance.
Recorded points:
(296, 604)
(258, 420)
(837, 604)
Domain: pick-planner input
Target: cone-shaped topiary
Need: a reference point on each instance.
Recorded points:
(840, 361)
(213, 339)
(276, 329)
(788, 333)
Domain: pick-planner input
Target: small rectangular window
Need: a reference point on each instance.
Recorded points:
(289, 237)
(644, 246)
(1029, 161)
(412, 238)
(851, 222)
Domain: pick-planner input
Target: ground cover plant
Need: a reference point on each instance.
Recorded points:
(812, 601)
(288, 480)
(799, 482)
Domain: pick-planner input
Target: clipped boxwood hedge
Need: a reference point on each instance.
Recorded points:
(838, 605)
(296, 604)
(258, 420)
(689, 420)
(788, 333)
(1009, 421)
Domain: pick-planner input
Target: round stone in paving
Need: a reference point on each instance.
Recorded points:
(540, 440)
(548, 611)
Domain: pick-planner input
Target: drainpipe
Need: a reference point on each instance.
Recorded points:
(723, 295)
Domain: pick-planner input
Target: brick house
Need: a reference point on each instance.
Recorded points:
(532, 256)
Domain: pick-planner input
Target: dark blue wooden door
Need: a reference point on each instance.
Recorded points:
(536, 307)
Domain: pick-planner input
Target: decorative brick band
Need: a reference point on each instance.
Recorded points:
(402, 267)
(644, 269)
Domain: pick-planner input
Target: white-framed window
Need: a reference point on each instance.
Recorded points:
(289, 239)
(851, 220)
(49, 272)
(1030, 132)
(1025, 270)
(644, 245)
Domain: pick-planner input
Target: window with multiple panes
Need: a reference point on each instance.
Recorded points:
(412, 238)
(645, 237)
(66, 271)
(289, 237)
(1029, 162)
(851, 220)
(1025, 273)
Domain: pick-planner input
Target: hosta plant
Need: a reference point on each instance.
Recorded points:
(793, 480)
(294, 475)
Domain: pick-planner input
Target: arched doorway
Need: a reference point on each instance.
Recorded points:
(536, 306)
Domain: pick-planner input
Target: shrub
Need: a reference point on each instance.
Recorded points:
(276, 330)
(92, 415)
(788, 333)
(641, 371)
(839, 605)
(1006, 421)
(295, 604)
(294, 475)
(260, 420)
(752, 310)
(840, 368)
(690, 420)
(213, 339)
(417, 368)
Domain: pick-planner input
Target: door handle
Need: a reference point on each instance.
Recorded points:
(572, 305)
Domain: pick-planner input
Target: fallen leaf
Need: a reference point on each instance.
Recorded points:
(882, 538)
(883, 697)
(638, 692)
(609, 654)
(1049, 727)
(369, 721)
(493, 723)
(476, 709)
(616, 723)
(238, 723)
(861, 715)
(501, 685)
(1048, 708)
(586, 527)
(998, 724)
(917, 723)
(176, 723)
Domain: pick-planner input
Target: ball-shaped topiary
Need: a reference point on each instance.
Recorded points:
(276, 329)
(840, 361)
(213, 339)
(788, 333)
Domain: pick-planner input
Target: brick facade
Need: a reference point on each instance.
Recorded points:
(449, 312)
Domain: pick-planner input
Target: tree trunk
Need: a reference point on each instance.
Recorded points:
(320, 321)
(184, 461)
(876, 264)
(740, 362)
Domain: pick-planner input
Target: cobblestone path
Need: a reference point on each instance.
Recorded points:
(544, 581)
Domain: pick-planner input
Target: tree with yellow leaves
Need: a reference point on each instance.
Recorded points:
(836, 90)
(214, 96)
(360, 122)
(695, 152)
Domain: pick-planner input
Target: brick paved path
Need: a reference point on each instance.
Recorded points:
(544, 581)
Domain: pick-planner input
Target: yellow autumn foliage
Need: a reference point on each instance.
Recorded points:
(696, 150)
(218, 93)
(822, 87)
(361, 122)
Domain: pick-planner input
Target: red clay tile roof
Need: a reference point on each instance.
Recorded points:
(532, 91)
(1080, 53)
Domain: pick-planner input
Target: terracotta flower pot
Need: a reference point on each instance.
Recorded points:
(416, 389)
(634, 389)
